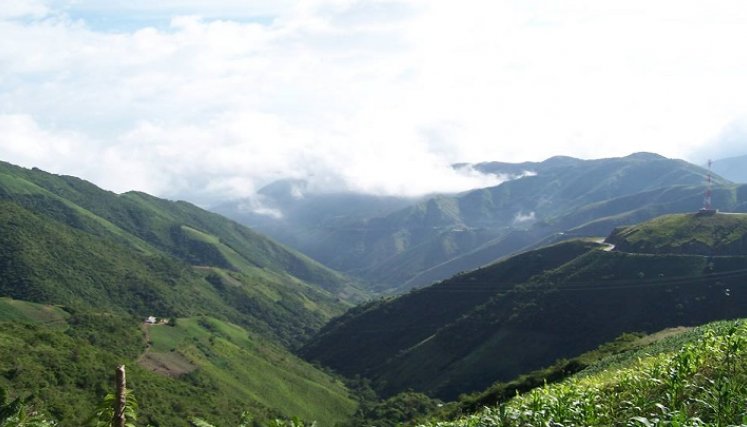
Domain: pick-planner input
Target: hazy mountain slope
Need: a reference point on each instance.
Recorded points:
(441, 235)
(526, 325)
(732, 168)
(397, 248)
(594, 219)
(296, 215)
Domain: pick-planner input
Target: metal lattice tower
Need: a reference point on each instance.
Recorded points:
(707, 202)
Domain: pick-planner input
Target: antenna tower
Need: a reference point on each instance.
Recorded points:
(707, 203)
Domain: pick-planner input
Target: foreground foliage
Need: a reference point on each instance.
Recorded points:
(703, 383)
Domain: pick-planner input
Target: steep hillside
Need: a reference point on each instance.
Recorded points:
(99, 263)
(442, 235)
(691, 379)
(552, 312)
(69, 242)
(196, 367)
(137, 216)
(361, 341)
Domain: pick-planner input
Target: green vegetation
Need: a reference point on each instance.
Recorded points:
(21, 311)
(524, 313)
(202, 367)
(80, 268)
(249, 368)
(702, 382)
(394, 411)
(681, 378)
(67, 242)
(593, 360)
(718, 234)
(367, 336)
(83, 267)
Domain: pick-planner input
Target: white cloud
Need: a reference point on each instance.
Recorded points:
(226, 8)
(730, 142)
(377, 96)
(23, 9)
(23, 141)
(524, 218)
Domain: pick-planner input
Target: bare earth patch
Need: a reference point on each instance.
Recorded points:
(171, 364)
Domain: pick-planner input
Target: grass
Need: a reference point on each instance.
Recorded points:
(22, 311)
(719, 234)
(248, 367)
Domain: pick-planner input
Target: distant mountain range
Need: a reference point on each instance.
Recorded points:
(397, 244)
(732, 168)
(525, 312)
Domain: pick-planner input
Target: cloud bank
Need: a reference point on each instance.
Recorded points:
(181, 99)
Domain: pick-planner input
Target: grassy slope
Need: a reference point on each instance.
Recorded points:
(21, 311)
(695, 378)
(719, 234)
(66, 363)
(248, 367)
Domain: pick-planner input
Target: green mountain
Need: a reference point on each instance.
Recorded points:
(437, 237)
(94, 254)
(525, 312)
(69, 242)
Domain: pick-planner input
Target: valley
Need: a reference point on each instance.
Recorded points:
(405, 310)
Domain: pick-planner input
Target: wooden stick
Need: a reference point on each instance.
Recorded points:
(121, 398)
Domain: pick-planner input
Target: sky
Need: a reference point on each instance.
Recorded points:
(210, 100)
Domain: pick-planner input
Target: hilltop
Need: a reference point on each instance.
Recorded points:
(525, 312)
(694, 234)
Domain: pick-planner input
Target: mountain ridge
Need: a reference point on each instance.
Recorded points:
(515, 327)
(440, 235)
